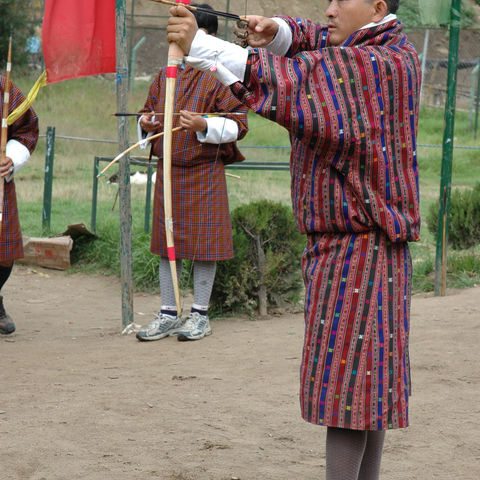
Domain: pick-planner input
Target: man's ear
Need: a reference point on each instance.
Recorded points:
(380, 10)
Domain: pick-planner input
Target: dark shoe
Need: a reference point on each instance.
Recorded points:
(6, 323)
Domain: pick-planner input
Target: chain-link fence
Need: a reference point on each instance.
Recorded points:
(148, 33)
(433, 48)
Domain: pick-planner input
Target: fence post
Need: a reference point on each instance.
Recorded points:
(424, 61)
(48, 179)
(448, 138)
(133, 59)
(477, 102)
(93, 221)
(124, 167)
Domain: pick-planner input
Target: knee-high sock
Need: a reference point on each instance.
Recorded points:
(203, 278)
(345, 449)
(166, 283)
(4, 275)
(372, 457)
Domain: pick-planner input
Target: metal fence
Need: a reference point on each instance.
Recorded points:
(432, 45)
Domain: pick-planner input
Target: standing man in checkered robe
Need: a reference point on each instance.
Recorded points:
(22, 138)
(202, 227)
(348, 93)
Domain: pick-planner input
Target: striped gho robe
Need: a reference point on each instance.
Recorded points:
(352, 113)
(25, 132)
(202, 226)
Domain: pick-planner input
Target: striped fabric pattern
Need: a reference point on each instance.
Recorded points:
(352, 111)
(25, 131)
(202, 226)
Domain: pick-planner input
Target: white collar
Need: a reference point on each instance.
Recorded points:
(388, 18)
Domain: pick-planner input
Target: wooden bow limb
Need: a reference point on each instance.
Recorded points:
(4, 134)
(175, 58)
(132, 147)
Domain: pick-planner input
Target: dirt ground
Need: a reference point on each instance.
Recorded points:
(78, 400)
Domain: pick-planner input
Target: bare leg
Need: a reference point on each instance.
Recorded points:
(345, 449)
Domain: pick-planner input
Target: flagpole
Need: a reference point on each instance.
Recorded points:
(124, 165)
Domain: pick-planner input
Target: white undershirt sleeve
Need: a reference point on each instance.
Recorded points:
(19, 154)
(225, 60)
(282, 40)
(219, 130)
(141, 134)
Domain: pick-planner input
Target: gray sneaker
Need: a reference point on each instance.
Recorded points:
(161, 326)
(196, 326)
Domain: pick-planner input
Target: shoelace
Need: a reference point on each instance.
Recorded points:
(161, 318)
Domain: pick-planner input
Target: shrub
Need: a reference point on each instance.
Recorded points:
(266, 269)
(464, 218)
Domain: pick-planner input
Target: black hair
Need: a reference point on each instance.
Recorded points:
(392, 5)
(205, 20)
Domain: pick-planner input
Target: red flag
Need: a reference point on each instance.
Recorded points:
(78, 38)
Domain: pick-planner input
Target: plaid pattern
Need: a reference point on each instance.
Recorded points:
(352, 112)
(202, 226)
(25, 131)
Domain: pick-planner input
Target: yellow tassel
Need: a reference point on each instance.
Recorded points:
(32, 94)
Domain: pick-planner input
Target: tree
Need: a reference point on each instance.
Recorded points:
(17, 20)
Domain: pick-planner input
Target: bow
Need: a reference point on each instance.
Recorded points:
(175, 58)
(132, 147)
(4, 135)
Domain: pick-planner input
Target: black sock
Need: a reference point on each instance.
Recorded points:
(201, 312)
(4, 274)
(172, 313)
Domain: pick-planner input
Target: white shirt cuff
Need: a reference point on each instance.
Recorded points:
(19, 154)
(225, 60)
(283, 39)
(140, 132)
(219, 130)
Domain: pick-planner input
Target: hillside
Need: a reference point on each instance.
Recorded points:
(150, 19)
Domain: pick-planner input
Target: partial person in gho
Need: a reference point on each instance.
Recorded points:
(21, 139)
(348, 93)
(202, 228)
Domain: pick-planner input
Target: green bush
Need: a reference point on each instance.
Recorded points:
(464, 218)
(269, 226)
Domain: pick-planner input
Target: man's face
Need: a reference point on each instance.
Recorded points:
(347, 16)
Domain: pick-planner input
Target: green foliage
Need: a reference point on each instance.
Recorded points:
(102, 255)
(237, 282)
(464, 268)
(15, 21)
(409, 14)
(423, 275)
(464, 218)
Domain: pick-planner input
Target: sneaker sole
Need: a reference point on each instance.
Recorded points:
(156, 337)
(7, 331)
(185, 338)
